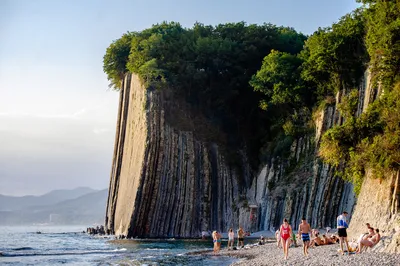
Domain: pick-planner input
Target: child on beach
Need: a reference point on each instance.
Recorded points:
(286, 232)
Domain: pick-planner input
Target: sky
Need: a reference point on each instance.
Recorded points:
(57, 114)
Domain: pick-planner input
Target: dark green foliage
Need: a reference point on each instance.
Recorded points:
(370, 142)
(229, 71)
(335, 57)
(210, 67)
(383, 40)
(116, 58)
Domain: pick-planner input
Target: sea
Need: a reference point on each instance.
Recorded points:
(68, 245)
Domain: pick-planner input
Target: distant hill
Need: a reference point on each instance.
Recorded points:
(85, 209)
(11, 203)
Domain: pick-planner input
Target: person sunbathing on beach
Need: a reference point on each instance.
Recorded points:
(327, 240)
(304, 233)
(370, 242)
(314, 232)
(316, 241)
(365, 236)
(334, 239)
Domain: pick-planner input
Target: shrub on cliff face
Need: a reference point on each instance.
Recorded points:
(370, 142)
(116, 58)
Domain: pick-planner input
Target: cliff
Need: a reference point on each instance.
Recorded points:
(167, 181)
(164, 181)
(379, 205)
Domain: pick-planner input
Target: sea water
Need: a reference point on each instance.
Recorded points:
(67, 245)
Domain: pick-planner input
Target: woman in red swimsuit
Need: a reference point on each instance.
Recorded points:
(286, 232)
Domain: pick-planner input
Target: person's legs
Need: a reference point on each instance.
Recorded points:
(307, 244)
(287, 248)
(347, 244)
(283, 241)
(341, 244)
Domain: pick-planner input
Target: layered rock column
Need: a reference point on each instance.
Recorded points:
(165, 182)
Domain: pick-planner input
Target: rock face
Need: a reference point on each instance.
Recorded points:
(311, 191)
(379, 205)
(167, 181)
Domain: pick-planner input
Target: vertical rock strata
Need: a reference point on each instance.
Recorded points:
(166, 182)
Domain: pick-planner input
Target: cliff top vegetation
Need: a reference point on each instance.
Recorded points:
(260, 84)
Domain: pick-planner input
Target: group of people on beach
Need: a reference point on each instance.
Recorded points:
(283, 234)
(286, 237)
(216, 236)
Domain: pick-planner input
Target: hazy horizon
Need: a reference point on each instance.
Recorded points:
(53, 190)
(57, 115)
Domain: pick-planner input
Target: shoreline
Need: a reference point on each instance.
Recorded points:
(269, 254)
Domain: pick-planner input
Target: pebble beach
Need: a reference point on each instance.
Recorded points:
(269, 254)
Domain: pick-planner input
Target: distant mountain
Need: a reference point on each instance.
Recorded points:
(86, 209)
(11, 203)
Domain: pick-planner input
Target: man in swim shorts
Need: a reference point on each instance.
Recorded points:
(341, 226)
(241, 237)
(304, 232)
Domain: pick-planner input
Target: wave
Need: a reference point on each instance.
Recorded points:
(121, 249)
(5, 254)
(23, 248)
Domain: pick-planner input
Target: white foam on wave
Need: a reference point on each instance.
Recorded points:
(119, 249)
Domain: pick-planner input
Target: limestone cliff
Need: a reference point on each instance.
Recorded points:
(167, 181)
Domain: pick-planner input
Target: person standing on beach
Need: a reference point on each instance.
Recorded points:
(231, 238)
(217, 242)
(304, 232)
(286, 232)
(341, 226)
(241, 237)
(278, 238)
